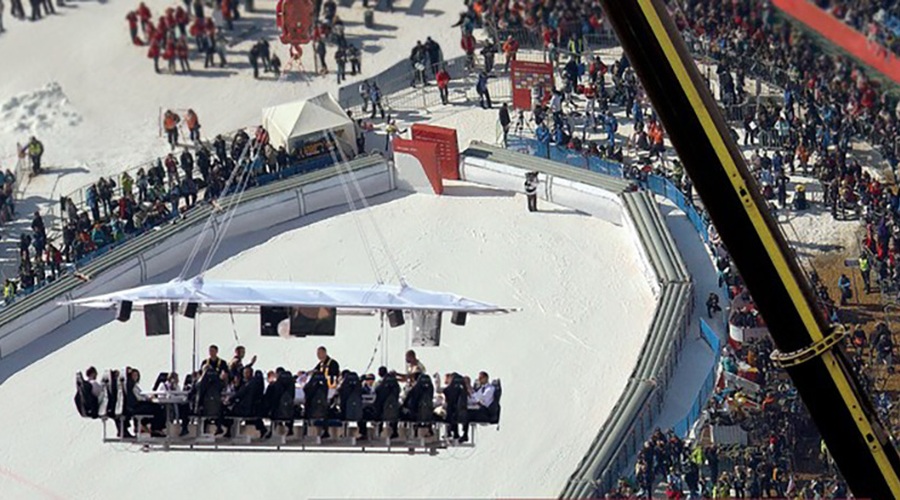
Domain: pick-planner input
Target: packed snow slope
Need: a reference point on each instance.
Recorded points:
(77, 82)
(563, 359)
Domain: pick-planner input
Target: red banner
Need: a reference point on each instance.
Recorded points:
(447, 147)
(526, 75)
(426, 153)
(843, 36)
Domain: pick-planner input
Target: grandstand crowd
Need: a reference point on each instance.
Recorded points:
(828, 105)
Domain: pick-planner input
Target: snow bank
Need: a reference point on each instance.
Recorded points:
(564, 359)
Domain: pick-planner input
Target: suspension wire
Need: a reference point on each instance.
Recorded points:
(381, 333)
(237, 340)
(367, 210)
(229, 216)
(354, 211)
(209, 220)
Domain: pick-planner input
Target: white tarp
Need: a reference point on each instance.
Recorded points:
(273, 293)
(294, 124)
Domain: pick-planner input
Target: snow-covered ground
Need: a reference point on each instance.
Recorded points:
(563, 359)
(76, 82)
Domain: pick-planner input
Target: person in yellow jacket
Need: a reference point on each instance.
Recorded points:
(127, 184)
(35, 150)
(9, 291)
(865, 270)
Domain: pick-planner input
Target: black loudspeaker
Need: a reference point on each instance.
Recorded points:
(190, 310)
(395, 318)
(156, 319)
(123, 310)
(459, 318)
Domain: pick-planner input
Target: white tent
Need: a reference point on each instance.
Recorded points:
(273, 293)
(307, 123)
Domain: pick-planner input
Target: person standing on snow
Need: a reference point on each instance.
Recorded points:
(169, 53)
(443, 83)
(505, 122)
(132, 19)
(481, 87)
(253, 55)
(35, 151)
(364, 95)
(153, 52)
(181, 50)
(48, 7)
(170, 124)
(340, 60)
(531, 185)
(193, 125)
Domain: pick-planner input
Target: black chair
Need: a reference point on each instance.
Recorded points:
(316, 394)
(494, 409)
(350, 394)
(86, 402)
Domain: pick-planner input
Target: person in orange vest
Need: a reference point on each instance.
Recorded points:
(170, 124)
(510, 47)
(443, 80)
(193, 125)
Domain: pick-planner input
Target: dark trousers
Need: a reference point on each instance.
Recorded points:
(712, 309)
(172, 136)
(157, 413)
(444, 95)
(532, 203)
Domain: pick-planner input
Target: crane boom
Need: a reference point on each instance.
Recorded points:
(818, 367)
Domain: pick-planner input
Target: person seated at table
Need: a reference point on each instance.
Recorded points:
(455, 402)
(247, 398)
(214, 361)
(413, 366)
(139, 403)
(283, 382)
(417, 391)
(96, 388)
(368, 384)
(236, 367)
(327, 366)
(481, 399)
(387, 387)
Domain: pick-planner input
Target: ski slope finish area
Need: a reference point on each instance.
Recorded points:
(563, 359)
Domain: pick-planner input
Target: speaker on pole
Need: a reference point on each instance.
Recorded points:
(459, 318)
(123, 310)
(190, 310)
(395, 318)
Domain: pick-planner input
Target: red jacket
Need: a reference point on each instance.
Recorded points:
(169, 53)
(181, 49)
(132, 20)
(181, 17)
(468, 44)
(443, 78)
(153, 51)
(143, 12)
